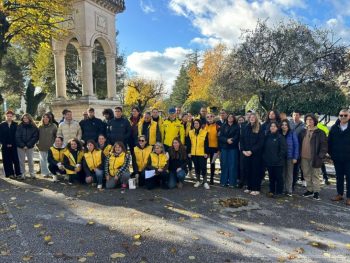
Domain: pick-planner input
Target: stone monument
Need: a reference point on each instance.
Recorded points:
(91, 21)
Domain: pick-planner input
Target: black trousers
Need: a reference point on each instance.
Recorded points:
(241, 176)
(200, 167)
(296, 170)
(276, 179)
(342, 169)
(212, 151)
(10, 161)
(324, 172)
(252, 170)
(141, 177)
(160, 179)
(54, 170)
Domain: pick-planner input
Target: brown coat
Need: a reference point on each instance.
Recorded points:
(319, 146)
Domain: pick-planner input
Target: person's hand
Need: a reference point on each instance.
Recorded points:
(178, 169)
(160, 170)
(205, 155)
(229, 141)
(77, 169)
(189, 155)
(25, 148)
(295, 161)
(249, 153)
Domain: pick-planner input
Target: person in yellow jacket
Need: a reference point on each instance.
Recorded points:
(213, 137)
(72, 160)
(172, 128)
(141, 154)
(93, 164)
(103, 145)
(149, 129)
(55, 158)
(117, 167)
(159, 163)
(158, 119)
(198, 151)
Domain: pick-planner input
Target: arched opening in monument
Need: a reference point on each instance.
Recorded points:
(73, 70)
(99, 71)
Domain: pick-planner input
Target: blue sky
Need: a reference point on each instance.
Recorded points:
(156, 35)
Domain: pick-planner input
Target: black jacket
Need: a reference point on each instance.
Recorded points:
(339, 143)
(229, 132)
(275, 150)
(8, 134)
(177, 161)
(118, 130)
(91, 129)
(27, 135)
(251, 141)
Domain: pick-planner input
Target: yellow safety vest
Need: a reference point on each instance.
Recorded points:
(159, 161)
(72, 161)
(93, 159)
(198, 142)
(115, 162)
(152, 131)
(212, 130)
(107, 150)
(171, 130)
(58, 154)
(141, 156)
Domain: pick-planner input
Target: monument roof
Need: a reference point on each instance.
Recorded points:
(116, 6)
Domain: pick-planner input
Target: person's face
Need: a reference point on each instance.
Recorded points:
(185, 118)
(118, 113)
(176, 144)
(172, 116)
(155, 114)
(296, 116)
(9, 117)
(118, 149)
(210, 118)
(240, 120)
(142, 141)
(46, 119)
(68, 116)
(273, 128)
(230, 119)
(252, 119)
(203, 112)
(223, 115)
(248, 115)
(106, 116)
(310, 122)
(284, 127)
(178, 111)
(135, 113)
(101, 140)
(272, 115)
(344, 116)
(91, 114)
(25, 119)
(73, 145)
(146, 117)
(58, 142)
(196, 125)
(90, 146)
(157, 149)
(190, 117)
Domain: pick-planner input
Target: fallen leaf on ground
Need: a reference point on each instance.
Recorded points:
(226, 234)
(82, 259)
(90, 254)
(331, 245)
(292, 256)
(117, 255)
(27, 258)
(247, 240)
(275, 239)
(312, 222)
(137, 237)
(173, 250)
(50, 243)
(191, 257)
(195, 216)
(48, 238)
(299, 250)
(137, 243)
(195, 238)
(5, 252)
(38, 225)
(91, 223)
(327, 255)
(282, 259)
(348, 246)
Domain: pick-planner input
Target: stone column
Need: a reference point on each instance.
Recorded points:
(86, 68)
(60, 73)
(111, 76)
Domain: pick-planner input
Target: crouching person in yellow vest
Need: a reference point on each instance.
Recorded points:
(117, 167)
(93, 164)
(72, 160)
(103, 145)
(158, 166)
(55, 158)
(141, 154)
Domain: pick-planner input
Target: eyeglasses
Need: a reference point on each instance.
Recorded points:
(343, 115)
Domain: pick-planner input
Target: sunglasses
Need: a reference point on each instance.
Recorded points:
(141, 140)
(343, 115)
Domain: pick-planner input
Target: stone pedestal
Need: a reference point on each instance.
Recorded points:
(78, 106)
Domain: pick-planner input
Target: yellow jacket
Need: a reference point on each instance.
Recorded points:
(141, 156)
(58, 154)
(171, 130)
(107, 149)
(159, 161)
(152, 131)
(198, 142)
(93, 159)
(212, 130)
(160, 125)
(323, 128)
(72, 162)
(115, 163)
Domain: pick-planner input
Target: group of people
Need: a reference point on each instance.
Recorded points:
(161, 152)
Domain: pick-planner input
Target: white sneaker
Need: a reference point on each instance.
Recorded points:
(255, 193)
(197, 184)
(99, 186)
(247, 191)
(206, 186)
(45, 175)
(54, 178)
(303, 183)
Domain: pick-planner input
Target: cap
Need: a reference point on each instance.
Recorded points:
(172, 111)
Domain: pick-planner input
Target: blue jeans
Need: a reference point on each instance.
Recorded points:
(229, 169)
(175, 177)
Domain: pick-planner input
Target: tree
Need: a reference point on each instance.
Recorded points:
(31, 22)
(194, 107)
(274, 61)
(181, 87)
(142, 93)
(33, 98)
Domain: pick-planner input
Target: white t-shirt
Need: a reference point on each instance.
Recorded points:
(343, 127)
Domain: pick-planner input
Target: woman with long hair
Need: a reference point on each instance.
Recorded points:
(272, 116)
(177, 164)
(103, 145)
(47, 135)
(55, 158)
(27, 135)
(72, 160)
(117, 167)
(252, 142)
(141, 154)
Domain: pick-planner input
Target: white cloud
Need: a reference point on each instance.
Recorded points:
(338, 26)
(223, 20)
(158, 65)
(147, 7)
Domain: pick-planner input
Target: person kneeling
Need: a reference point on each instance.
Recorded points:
(93, 164)
(117, 167)
(177, 164)
(55, 158)
(72, 160)
(141, 154)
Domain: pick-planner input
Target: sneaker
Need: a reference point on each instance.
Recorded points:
(317, 196)
(327, 182)
(247, 191)
(21, 177)
(122, 191)
(211, 182)
(99, 186)
(197, 184)
(337, 198)
(269, 194)
(303, 183)
(308, 194)
(289, 194)
(45, 175)
(206, 186)
(54, 178)
(254, 192)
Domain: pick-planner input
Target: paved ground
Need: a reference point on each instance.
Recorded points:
(45, 222)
